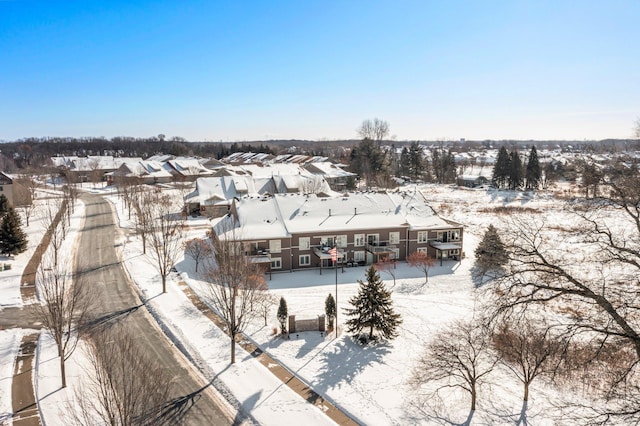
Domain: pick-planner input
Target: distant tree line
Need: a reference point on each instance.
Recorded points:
(35, 152)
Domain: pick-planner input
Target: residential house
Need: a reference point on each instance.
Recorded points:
(213, 196)
(296, 231)
(7, 186)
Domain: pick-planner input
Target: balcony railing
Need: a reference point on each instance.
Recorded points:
(381, 248)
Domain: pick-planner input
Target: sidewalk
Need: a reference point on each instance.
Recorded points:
(284, 375)
(25, 409)
(23, 400)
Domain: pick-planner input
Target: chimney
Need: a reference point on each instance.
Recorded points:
(355, 211)
(329, 212)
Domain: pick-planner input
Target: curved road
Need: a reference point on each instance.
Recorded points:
(194, 402)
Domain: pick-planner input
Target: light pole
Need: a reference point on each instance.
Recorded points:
(334, 258)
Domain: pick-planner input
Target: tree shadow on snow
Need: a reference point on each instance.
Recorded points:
(521, 418)
(347, 360)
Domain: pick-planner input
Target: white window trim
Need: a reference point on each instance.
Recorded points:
(359, 256)
(395, 239)
(358, 240)
(307, 258)
(425, 234)
(278, 261)
(306, 246)
(275, 246)
(424, 250)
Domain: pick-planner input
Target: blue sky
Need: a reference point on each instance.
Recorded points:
(249, 70)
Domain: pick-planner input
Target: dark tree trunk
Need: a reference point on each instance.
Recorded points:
(63, 373)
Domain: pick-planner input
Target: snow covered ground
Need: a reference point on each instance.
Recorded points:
(369, 383)
(10, 278)
(9, 347)
(257, 391)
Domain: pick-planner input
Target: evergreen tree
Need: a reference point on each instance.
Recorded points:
(370, 162)
(405, 162)
(444, 166)
(502, 169)
(534, 173)
(4, 204)
(13, 239)
(283, 315)
(372, 308)
(490, 253)
(515, 171)
(416, 161)
(330, 310)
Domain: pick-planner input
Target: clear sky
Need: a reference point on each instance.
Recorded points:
(248, 70)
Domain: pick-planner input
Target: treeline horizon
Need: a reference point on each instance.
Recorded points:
(35, 151)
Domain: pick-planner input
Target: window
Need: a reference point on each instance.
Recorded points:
(422, 250)
(304, 243)
(326, 241)
(358, 256)
(441, 236)
(455, 235)
(304, 260)
(358, 240)
(341, 241)
(276, 263)
(373, 239)
(394, 238)
(454, 252)
(275, 246)
(422, 236)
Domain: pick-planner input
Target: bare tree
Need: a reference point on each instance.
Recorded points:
(64, 306)
(198, 249)
(165, 236)
(51, 217)
(387, 265)
(460, 357)
(125, 385)
(95, 172)
(529, 351)
(266, 301)
(375, 130)
(587, 270)
(421, 261)
(24, 193)
(235, 284)
(140, 202)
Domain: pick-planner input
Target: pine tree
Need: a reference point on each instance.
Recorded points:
(444, 166)
(405, 162)
(372, 308)
(13, 239)
(4, 205)
(283, 315)
(534, 173)
(501, 169)
(490, 253)
(416, 160)
(515, 171)
(330, 310)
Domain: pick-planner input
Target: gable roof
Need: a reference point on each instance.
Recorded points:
(282, 215)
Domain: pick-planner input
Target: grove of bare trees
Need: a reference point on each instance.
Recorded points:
(586, 271)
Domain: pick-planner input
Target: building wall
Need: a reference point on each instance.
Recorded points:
(6, 189)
